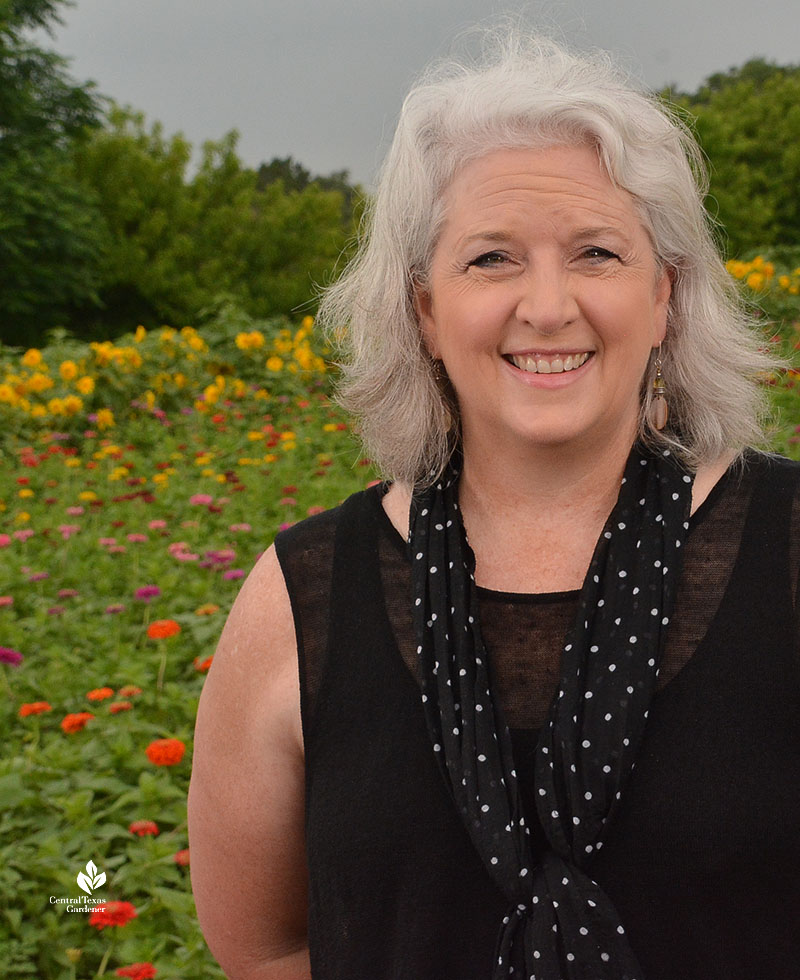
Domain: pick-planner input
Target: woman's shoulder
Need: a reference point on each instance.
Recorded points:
(311, 541)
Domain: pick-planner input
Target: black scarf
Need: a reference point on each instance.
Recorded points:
(560, 924)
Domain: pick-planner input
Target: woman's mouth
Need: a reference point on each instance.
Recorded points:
(548, 364)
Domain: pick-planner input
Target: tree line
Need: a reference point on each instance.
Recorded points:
(105, 223)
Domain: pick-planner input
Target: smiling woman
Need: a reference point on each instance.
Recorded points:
(531, 707)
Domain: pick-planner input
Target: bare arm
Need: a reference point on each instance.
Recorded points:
(246, 799)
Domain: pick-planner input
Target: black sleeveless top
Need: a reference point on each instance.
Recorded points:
(703, 859)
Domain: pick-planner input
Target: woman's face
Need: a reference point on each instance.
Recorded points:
(543, 301)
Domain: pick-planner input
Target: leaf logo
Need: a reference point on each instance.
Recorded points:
(92, 879)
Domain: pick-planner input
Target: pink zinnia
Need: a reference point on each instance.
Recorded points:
(202, 499)
(157, 525)
(6, 600)
(75, 511)
(38, 576)
(148, 592)
(67, 530)
(115, 607)
(9, 656)
(137, 538)
(23, 534)
(233, 573)
(67, 593)
(5, 540)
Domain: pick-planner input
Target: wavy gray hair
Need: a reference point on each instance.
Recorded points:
(532, 92)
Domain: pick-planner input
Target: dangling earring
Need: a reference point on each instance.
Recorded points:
(659, 411)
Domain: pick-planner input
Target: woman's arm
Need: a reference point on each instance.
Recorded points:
(246, 799)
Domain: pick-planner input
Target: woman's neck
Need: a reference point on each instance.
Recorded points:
(533, 521)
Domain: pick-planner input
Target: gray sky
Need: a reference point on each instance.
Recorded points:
(323, 81)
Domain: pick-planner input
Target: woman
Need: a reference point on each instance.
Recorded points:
(569, 745)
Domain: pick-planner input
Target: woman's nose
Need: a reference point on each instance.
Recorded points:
(547, 301)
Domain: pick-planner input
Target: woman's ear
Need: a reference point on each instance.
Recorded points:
(423, 307)
(661, 305)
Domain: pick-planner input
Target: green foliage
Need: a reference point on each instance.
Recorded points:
(176, 245)
(49, 239)
(748, 123)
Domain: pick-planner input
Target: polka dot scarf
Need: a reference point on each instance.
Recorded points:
(560, 924)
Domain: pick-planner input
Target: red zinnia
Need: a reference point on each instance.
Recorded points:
(181, 857)
(76, 722)
(112, 914)
(165, 751)
(34, 708)
(162, 629)
(143, 828)
(118, 706)
(100, 694)
(137, 971)
(203, 665)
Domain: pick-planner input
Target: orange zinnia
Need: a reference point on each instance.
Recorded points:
(76, 722)
(112, 914)
(162, 629)
(34, 708)
(165, 751)
(100, 694)
(144, 828)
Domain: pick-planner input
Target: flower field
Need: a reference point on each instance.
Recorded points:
(139, 482)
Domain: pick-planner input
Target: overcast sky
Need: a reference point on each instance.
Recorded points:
(323, 81)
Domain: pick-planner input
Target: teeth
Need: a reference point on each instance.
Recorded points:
(541, 365)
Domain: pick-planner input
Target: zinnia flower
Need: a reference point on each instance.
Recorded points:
(203, 665)
(100, 694)
(118, 706)
(207, 609)
(162, 629)
(201, 499)
(137, 971)
(6, 600)
(76, 722)
(181, 857)
(165, 751)
(233, 573)
(112, 914)
(143, 828)
(115, 607)
(148, 592)
(9, 656)
(34, 708)
(129, 690)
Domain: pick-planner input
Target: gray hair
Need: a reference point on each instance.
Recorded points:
(532, 92)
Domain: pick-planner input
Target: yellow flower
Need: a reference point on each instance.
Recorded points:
(161, 479)
(208, 472)
(307, 322)
(7, 394)
(287, 446)
(39, 382)
(72, 405)
(211, 394)
(68, 370)
(22, 517)
(56, 406)
(85, 385)
(270, 458)
(25, 492)
(87, 496)
(38, 412)
(32, 358)
(246, 461)
(221, 478)
(756, 281)
(197, 343)
(329, 427)
(150, 399)
(274, 363)
(179, 380)
(252, 436)
(784, 282)
(72, 462)
(105, 418)
(140, 334)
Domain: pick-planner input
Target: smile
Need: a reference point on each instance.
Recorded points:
(557, 364)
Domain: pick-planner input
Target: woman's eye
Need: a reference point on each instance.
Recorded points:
(488, 259)
(598, 254)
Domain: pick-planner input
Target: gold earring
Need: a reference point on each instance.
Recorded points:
(659, 410)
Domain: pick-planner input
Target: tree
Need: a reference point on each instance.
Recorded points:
(748, 122)
(49, 237)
